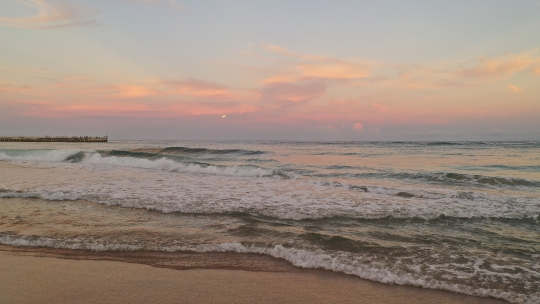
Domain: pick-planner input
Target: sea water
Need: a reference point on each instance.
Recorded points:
(459, 216)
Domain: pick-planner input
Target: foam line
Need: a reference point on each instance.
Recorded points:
(316, 259)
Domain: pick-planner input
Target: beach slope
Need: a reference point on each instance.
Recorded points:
(27, 278)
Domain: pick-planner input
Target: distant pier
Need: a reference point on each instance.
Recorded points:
(56, 139)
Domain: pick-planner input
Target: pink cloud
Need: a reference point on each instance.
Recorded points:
(134, 91)
(297, 89)
(162, 88)
(358, 126)
(79, 96)
(380, 107)
(198, 88)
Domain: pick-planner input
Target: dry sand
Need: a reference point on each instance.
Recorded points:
(34, 276)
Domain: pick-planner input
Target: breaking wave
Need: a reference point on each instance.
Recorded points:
(38, 155)
(130, 159)
(304, 258)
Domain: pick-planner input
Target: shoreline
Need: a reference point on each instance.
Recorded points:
(45, 275)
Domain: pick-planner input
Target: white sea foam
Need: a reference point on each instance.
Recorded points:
(315, 259)
(296, 205)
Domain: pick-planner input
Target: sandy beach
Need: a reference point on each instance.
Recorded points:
(49, 276)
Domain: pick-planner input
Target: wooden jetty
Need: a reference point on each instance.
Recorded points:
(56, 139)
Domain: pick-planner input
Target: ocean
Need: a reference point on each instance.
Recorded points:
(458, 216)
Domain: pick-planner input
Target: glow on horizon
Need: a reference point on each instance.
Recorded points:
(156, 64)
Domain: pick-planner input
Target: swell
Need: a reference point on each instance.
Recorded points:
(304, 258)
(448, 178)
(515, 168)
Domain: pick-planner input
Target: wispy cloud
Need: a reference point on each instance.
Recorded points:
(197, 88)
(323, 70)
(52, 14)
(483, 70)
(130, 91)
(360, 72)
(308, 67)
(502, 66)
(515, 89)
(430, 78)
(77, 96)
(536, 70)
(7, 87)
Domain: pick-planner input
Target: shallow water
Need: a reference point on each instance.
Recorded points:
(455, 216)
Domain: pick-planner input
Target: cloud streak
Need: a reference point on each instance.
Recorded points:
(123, 109)
(52, 14)
(198, 88)
(293, 92)
(315, 67)
(515, 89)
(480, 71)
(502, 66)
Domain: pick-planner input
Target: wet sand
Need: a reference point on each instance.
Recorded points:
(40, 275)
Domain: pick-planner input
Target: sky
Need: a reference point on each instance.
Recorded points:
(271, 70)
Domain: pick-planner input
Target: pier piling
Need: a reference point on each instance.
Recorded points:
(55, 139)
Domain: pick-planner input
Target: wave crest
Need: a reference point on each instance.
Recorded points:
(171, 165)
